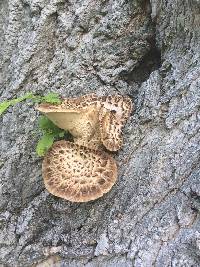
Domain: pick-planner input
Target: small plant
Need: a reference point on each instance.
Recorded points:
(51, 98)
(50, 132)
(6, 104)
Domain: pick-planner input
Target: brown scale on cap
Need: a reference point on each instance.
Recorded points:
(82, 171)
(77, 173)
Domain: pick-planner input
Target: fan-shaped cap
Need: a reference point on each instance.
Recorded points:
(114, 112)
(79, 116)
(92, 120)
(77, 173)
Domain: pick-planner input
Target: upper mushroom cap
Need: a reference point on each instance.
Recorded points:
(77, 173)
(75, 116)
(92, 120)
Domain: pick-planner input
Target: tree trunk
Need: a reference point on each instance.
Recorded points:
(146, 49)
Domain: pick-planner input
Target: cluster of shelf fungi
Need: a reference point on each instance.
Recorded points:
(84, 170)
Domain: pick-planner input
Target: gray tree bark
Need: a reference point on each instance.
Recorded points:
(147, 49)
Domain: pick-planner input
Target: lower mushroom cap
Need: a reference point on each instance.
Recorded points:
(77, 173)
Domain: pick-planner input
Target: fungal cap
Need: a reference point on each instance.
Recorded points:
(81, 123)
(78, 104)
(77, 173)
(92, 120)
(114, 113)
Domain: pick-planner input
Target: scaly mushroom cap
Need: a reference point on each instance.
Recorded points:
(92, 120)
(114, 112)
(77, 173)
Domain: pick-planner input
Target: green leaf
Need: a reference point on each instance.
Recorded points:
(52, 98)
(45, 124)
(4, 106)
(50, 133)
(22, 98)
(44, 144)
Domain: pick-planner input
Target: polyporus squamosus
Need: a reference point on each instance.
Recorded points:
(78, 171)
(92, 120)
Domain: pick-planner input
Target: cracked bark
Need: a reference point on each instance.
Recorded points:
(148, 50)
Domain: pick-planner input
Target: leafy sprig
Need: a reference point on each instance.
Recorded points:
(51, 98)
(50, 132)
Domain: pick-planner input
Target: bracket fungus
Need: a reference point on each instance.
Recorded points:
(78, 173)
(81, 171)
